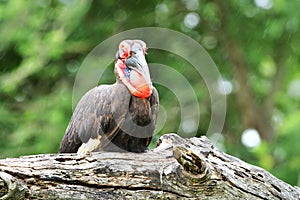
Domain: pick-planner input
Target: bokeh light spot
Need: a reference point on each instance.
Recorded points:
(191, 20)
(224, 87)
(251, 138)
(264, 4)
(294, 89)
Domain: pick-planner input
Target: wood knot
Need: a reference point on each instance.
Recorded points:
(191, 162)
(3, 188)
(11, 188)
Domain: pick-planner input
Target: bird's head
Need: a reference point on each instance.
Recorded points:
(132, 69)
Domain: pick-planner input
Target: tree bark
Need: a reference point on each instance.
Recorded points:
(177, 169)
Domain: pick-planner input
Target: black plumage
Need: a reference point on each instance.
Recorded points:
(111, 118)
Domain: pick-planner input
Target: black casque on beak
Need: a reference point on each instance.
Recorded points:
(132, 69)
(139, 72)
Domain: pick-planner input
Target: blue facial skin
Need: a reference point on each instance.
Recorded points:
(127, 72)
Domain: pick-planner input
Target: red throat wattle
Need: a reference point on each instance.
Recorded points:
(134, 80)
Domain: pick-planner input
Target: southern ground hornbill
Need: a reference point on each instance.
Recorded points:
(118, 117)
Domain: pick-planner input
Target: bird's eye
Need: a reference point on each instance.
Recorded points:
(124, 53)
(124, 50)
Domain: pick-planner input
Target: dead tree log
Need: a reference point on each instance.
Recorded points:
(177, 169)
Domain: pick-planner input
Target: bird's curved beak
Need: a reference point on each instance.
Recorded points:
(139, 82)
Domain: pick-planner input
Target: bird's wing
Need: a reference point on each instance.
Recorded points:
(93, 123)
(154, 103)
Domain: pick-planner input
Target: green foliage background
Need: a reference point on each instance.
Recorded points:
(43, 43)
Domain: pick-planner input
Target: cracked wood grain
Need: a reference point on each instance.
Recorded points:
(177, 169)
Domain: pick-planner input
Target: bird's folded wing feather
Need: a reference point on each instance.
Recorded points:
(94, 122)
(154, 102)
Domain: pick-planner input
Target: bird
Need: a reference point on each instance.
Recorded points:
(120, 117)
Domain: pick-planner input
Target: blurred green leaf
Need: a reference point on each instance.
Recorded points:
(43, 43)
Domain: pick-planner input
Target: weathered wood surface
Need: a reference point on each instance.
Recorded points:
(177, 169)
